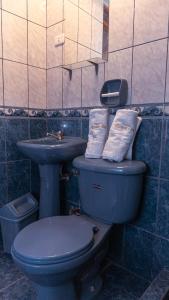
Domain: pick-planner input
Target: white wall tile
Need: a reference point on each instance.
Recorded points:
(167, 82)
(84, 34)
(54, 54)
(37, 11)
(72, 89)
(91, 85)
(74, 1)
(54, 88)
(15, 84)
(37, 88)
(36, 45)
(120, 66)
(83, 53)
(54, 12)
(17, 7)
(70, 52)
(149, 63)
(151, 20)
(97, 36)
(71, 20)
(97, 9)
(120, 24)
(14, 37)
(0, 37)
(86, 5)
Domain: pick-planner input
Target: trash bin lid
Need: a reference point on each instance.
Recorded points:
(19, 208)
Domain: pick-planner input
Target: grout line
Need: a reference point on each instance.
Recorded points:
(21, 63)
(77, 56)
(166, 69)
(27, 53)
(6, 162)
(15, 161)
(148, 232)
(11, 284)
(46, 62)
(5, 129)
(132, 63)
(137, 45)
(78, 43)
(161, 140)
(55, 23)
(77, 5)
(25, 19)
(63, 57)
(82, 90)
(129, 271)
(3, 81)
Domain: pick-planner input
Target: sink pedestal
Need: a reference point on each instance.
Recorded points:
(49, 153)
(49, 190)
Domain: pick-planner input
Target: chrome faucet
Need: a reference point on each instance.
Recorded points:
(59, 135)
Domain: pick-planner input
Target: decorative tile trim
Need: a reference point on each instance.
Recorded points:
(144, 110)
(149, 110)
(2, 112)
(62, 113)
(15, 112)
(166, 110)
(21, 112)
(37, 113)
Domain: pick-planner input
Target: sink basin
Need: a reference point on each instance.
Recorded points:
(49, 153)
(49, 150)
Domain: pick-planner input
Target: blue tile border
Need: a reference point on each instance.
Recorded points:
(143, 110)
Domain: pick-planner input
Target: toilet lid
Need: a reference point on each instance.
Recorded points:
(54, 239)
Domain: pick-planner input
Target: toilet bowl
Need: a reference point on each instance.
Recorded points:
(52, 251)
(58, 251)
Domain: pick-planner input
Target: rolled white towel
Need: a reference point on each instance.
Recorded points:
(120, 135)
(130, 151)
(98, 130)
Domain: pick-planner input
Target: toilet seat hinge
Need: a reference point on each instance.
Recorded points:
(95, 229)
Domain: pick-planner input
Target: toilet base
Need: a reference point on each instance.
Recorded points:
(91, 288)
(62, 292)
(67, 291)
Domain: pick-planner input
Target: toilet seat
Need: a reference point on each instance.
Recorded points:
(54, 240)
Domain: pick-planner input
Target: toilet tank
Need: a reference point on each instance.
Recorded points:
(110, 192)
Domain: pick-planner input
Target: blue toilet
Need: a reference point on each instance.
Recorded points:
(57, 252)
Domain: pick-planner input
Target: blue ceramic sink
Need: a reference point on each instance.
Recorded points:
(49, 153)
(49, 150)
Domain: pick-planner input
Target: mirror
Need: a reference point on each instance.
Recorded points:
(85, 30)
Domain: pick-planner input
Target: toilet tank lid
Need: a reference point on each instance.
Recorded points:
(99, 165)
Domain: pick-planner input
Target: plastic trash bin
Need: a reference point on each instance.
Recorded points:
(14, 216)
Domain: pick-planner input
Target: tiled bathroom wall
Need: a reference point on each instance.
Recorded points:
(138, 52)
(22, 86)
(23, 53)
(81, 22)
